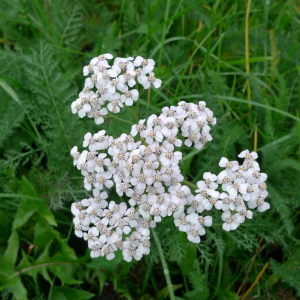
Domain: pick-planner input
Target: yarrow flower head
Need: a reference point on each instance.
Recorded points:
(143, 167)
(109, 87)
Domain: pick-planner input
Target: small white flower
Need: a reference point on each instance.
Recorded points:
(92, 234)
(168, 172)
(248, 191)
(210, 119)
(247, 155)
(128, 78)
(172, 141)
(100, 198)
(169, 127)
(212, 200)
(196, 205)
(144, 210)
(255, 177)
(108, 251)
(122, 227)
(224, 178)
(144, 225)
(102, 140)
(74, 152)
(101, 59)
(168, 158)
(209, 182)
(175, 210)
(150, 135)
(88, 181)
(114, 103)
(80, 228)
(104, 77)
(96, 248)
(144, 245)
(95, 212)
(234, 187)
(205, 137)
(135, 129)
(101, 161)
(80, 108)
(110, 236)
(130, 253)
(229, 165)
(194, 234)
(147, 65)
(192, 138)
(154, 121)
(130, 96)
(102, 179)
(181, 194)
(225, 203)
(195, 219)
(181, 222)
(82, 218)
(147, 82)
(122, 64)
(132, 217)
(88, 69)
(259, 203)
(230, 221)
(97, 115)
(76, 208)
(242, 214)
(175, 185)
(89, 140)
(122, 188)
(141, 181)
(158, 211)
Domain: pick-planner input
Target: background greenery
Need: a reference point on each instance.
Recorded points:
(199, 49)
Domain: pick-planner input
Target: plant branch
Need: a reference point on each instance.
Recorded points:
(136, 119)
(191, 185)
(40, 266)
(119, 119)
(164, 264)
(255, 281)
(247, 51)
(254, 257)
(148, 101)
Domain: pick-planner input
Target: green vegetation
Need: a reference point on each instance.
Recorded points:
(199, 49)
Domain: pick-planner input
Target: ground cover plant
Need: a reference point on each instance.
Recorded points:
(241, 58)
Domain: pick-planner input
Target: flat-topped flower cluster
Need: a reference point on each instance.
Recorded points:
(113, 85)
(239, 185)
(143, 168)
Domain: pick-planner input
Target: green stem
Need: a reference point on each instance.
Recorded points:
(137, 107)
(219, 275)
(148, 101)
(50, 292)
(121, 120)
(146, 278)
(185, 283)
(69, 233)
(164, 264)
(191, 185)
(164, 33)
(136, 119)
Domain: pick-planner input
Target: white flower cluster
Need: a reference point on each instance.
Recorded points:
(144, 167)
(113, 85)
(147, 172)
(241, 185)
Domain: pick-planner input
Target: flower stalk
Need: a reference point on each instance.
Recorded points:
(164, 264)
